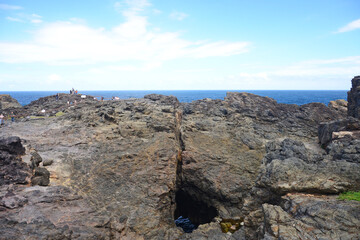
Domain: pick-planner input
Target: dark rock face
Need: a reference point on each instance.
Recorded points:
(137, 164)
(354, 98)
(12, 145)
(7, 102)
(12, 169)
(327, 129)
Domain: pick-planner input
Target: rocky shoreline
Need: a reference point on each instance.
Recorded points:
(246, 167)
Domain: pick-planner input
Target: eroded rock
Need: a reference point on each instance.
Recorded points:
(303, 216)
(7, 102)
(354, 98)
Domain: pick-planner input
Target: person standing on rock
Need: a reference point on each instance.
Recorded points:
(12, 117)
(1, 119)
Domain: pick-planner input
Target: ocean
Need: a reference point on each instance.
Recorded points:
(298, 97)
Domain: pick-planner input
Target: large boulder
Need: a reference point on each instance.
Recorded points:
(354, 98)
(41, 177)
(12, 145)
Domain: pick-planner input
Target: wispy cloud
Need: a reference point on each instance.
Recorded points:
(34, 18)
(77, 43)
(21, 17)
(312, 74)
(10, 7)
(350, 26)
(178, 15)
(127, 7)
(14, 19)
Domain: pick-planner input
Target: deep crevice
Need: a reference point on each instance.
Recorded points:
(197, 212)
(190, 211)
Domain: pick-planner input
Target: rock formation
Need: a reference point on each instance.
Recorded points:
(127, 169)
(12, 169)
(339, 105)
(7, 102)
(354, 98)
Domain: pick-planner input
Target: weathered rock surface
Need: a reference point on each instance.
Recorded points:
(48, 213)
(124, 169)
(7, 102)
(303, 216)
(52, 106)
(290, 167)
(354, 98)
(102, 152)
(340, 105)
(327, 129)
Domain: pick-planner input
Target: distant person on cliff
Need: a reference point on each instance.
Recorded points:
(57, 97)
(12, 117)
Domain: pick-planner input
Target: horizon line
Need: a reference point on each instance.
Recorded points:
(183, 90)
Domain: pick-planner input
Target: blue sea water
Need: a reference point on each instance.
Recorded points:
(298, 97)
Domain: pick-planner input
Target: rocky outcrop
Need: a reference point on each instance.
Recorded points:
(12, 169)
(327, 131)
(354, 98)
(7, 102)
(291, 167)
(305, 216)
(340, 105)
(53, 105)
(127, 169)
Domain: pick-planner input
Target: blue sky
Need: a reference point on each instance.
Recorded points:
(178, 45)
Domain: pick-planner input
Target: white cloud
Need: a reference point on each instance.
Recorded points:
(131, 7)
(36, 21)
(9, 7)
(53, 78)
(350, 26)
(178, 15)
(76, 43)
(14, 19)
(313, 74)
(156, 11)
(34, 18)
